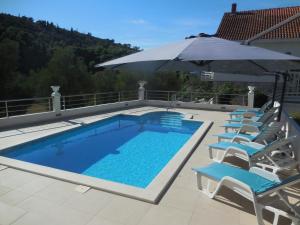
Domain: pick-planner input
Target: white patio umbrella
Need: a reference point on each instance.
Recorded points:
(209, 54)
(205, 53)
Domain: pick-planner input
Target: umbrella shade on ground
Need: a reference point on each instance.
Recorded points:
(208, 54)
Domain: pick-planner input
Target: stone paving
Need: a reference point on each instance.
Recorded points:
(30, 199)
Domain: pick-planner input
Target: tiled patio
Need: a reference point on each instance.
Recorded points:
(31, 199)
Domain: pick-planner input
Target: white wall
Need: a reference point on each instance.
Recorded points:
(16, 121)
(281, 45)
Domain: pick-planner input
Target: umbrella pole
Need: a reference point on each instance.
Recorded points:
(282, 95)
(275, 88)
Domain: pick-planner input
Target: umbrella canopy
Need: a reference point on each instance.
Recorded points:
(206, 53)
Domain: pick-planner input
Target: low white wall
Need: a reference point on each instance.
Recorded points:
(14, 121)
(192, 105)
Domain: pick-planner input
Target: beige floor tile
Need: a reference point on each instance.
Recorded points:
(4, 190)
(35, 219)
(58, 192)
(9, 214)
(14, 197)
(37, 204)
(90, 202)
(101, 221)
(124, 210)
(69, 216)
(180, 198)
(36, 185)
(15, 178)
(56, 202)
(161, 215)
(211, 217)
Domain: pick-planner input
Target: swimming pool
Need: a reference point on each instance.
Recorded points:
(126, 149)
(114, 154)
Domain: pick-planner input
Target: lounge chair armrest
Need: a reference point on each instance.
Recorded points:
(238, 138)
(280, 144)
(249, 128)
(264, 173)
(249, 114)
(247, 121)
(235, 149)
(237, 186)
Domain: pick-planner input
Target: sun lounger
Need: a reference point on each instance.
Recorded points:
(251, 133)
(274, 156)
(254, 185)
(266, 118)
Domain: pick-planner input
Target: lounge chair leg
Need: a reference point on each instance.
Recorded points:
(199, 181)
(284, 198)
(259, 213)
(210, 153)
(276, 219)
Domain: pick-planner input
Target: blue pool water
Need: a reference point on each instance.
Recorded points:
(130, 150)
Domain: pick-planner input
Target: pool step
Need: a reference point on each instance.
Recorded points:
(173, 121)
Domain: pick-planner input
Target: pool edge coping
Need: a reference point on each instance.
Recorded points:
(152, 193)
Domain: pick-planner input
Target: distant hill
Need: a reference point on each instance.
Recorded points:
(28, 48)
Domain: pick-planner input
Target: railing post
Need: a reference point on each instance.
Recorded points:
(251, 96)
(191, 99)
(119, 96)
(49, 104)
(142, 89)
(217, 99)
(56, 100)
(64, 102)
(95, 99)
(6, 108)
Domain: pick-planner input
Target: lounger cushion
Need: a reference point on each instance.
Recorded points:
(241, 113)
(239, 119)
(231, 135)
(257, 183)
(239, 125)
(223, 145)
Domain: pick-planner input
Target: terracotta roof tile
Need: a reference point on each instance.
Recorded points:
(243, 25)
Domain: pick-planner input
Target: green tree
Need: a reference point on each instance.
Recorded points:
(9, 54)
(66, 70)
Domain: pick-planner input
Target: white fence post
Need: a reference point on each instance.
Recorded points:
(251, 96)
(142, 89)
(56, 100)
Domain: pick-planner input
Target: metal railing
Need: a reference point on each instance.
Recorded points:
(18, 107)
(197, 97)
(36, 105)
(78, 101)
(292, 97)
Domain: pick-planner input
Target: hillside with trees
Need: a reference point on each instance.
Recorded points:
(35, 55)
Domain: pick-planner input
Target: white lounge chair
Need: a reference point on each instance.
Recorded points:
(267, 118)
(274, 156)
(252, 133)
(254, 185)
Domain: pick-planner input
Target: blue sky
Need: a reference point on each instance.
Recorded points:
(138, 22)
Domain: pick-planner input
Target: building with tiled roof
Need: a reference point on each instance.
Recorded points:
(242, 25)
(261, 28)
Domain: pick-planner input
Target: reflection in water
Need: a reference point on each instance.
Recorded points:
(59, 148)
